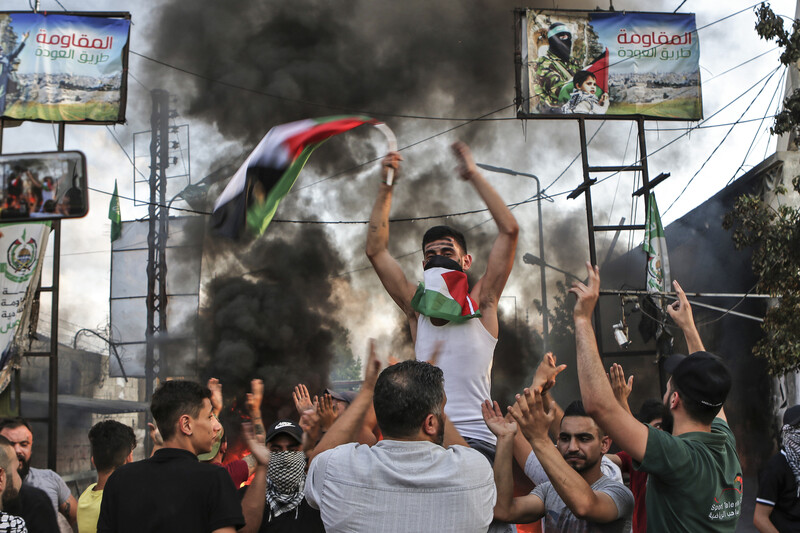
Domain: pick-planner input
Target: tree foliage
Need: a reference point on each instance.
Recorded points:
(774, 235)
(769, 26)
(774, 232)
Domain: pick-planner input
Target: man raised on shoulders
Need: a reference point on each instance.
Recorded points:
(445, 315)
(695, 479)
(409, 481)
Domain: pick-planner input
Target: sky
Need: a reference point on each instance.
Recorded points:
(448, 62)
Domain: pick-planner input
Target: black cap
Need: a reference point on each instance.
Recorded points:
(792, 416)
(702, 376)
(287, 427)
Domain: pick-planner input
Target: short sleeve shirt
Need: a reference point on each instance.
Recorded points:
(559, 518)
(51, 483)
(402, 486)
(89, 509)
(777, 488)
(695, 481)
(171, 491)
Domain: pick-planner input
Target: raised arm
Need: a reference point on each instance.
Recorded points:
(681, 313)
(347, 426)
(508, 508)
(577, 494)
(386, 266)
(598, 398)
(544, 379)
(622, 389)
(501, 258)
(253, 501)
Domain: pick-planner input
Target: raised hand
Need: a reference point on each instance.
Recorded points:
(326, 413)
(373, 368)
(215, 387)
(392, 160)
(302, 400)
(466, 165)
(255, 397)
(586, 295)
(546, 372)
(255, 443)
(529, 413)
(621, 388)
(681, 310)
(496, 422)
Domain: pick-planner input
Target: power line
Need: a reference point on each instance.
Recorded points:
(359, 111)
(758, 130)
(721, 142)
(300, 101)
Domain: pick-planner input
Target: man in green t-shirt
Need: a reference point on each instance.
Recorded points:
(695, 481)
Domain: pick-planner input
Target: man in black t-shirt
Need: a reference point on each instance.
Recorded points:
(777, 500)
(172, 491)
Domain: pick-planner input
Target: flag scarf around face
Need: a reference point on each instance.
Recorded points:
(268, 174)
(445, 294)
(655, 244)
(115, 215)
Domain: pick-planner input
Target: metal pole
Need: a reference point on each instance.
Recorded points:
(543, 276)
(542, 269)
(52, 411)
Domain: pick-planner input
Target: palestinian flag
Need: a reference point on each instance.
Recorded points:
(268, 174)
(445, 294)
(600, 70)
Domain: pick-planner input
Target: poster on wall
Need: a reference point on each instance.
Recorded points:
(64, 67)
(21, 249)
(608, 63)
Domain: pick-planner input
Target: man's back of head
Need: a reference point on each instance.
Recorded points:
(702, 381)
(405, 394)
(112, 444)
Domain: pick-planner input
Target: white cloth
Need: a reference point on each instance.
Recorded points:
(535, 471)
(402, 486)
(466, 355)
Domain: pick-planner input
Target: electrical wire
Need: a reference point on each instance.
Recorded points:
(720, 143)
(300, 101)
(758, 131)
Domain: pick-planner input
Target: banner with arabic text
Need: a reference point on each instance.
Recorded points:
(21, 248)
(608, 63)
(63, 67)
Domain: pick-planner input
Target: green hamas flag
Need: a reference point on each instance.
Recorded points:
(114, 215)
(655, 244)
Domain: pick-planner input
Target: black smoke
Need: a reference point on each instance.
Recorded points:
(276, 322)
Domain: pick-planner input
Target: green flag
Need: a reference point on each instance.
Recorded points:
(114, 215)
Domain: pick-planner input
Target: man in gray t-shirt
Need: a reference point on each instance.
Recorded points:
(559, 518)
(578, 498)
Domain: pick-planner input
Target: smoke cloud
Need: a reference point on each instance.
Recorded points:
(386, 59)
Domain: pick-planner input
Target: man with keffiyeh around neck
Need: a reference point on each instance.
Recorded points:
(449, 321)
(778, 497)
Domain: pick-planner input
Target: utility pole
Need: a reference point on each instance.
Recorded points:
(157, 240)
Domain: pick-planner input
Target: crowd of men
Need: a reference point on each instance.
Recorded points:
(421, 447)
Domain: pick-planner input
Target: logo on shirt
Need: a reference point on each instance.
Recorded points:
(728, 503)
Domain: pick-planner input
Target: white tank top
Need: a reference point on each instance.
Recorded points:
(466, 360)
